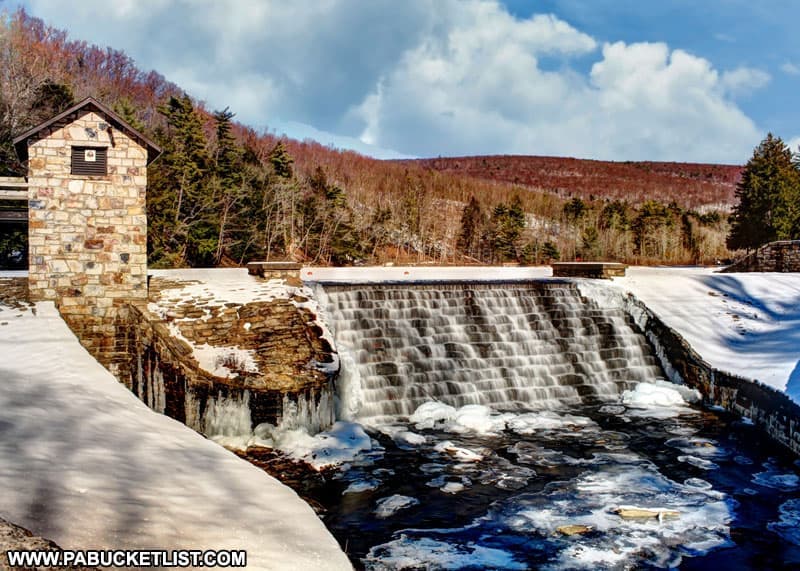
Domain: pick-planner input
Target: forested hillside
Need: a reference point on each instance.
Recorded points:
(691, 185)
(223, 193)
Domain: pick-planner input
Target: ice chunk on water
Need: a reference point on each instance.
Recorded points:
(389, 506)
(403, 437)
(452, 488)
(592, 499)
(698, 483)
(661, 399)
(471, 418)
(681, 430)
(343, 442)
(479, 419)
(612, 409)
(530, 453)
(530, 422)
(432, 468)
(771, 477)
(649, 394)
(429, 414)
(360, 486)
(427, 553)
(460, 454)
(701, 463)
(698, 447)
(589, 557)
(789, 525)
(450, 484)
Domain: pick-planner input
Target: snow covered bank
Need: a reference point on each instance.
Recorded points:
(86, 464)
(744, 324)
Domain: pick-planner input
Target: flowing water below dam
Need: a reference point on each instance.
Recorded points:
(522, 426)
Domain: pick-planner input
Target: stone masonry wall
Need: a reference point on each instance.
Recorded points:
(87, 234)
(769, 409)
(163, 372)
(782, 256)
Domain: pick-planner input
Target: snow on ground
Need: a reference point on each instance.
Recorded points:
(86, 464)
(746, 323)
(216, 287)
(220, 286)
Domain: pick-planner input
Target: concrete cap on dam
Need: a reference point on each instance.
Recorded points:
(289, 271)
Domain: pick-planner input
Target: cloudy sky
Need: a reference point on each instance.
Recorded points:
(606, 79)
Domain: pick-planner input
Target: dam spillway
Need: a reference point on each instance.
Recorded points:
(517, 425)
(524, 345)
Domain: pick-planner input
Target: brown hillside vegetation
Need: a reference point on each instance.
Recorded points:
(691, 185)
(224, 193)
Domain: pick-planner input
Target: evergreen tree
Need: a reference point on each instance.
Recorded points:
(652, 229)
(550, 252)
(50, 99)
(472, 223)
(508, 222)
(589, 242)
(575, 210)
(228, 188)
(281, 161)
(127, 111)
(181, 210)
(614, 216)
(768, 195)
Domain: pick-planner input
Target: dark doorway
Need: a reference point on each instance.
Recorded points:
(13, 236)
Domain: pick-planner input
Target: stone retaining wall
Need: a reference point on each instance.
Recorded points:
(783, 256)
(162, 371)
(768, 408)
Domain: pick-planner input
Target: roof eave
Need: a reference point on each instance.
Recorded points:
(21, 142)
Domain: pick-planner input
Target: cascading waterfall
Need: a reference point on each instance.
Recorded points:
(511, 346)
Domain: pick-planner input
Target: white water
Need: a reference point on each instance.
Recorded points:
(508, 346)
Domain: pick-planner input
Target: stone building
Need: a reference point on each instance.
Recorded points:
(87, 223)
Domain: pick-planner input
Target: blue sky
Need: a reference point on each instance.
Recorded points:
(603, 79)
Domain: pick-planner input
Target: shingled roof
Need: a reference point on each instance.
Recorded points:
(21, 142)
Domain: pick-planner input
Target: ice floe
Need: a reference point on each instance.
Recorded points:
(387, 507)
(344, 442)
(789, 525)
(771, 477)
(416, 553)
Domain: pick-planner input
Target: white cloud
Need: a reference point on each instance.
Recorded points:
(433, 77)
(794, 144)
(790, 68)
(744, 80)
(302, 132)
(640, 101)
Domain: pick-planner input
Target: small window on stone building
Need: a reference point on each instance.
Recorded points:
(90, 161)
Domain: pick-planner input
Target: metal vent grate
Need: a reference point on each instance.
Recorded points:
(90, 161)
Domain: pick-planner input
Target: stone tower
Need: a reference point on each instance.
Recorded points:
(87, 223)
